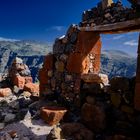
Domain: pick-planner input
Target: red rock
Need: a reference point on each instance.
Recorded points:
(43, 89)
(28, 79)
(19, 81)
(4, 92)
(93, 116)
(43, 76)
(52, 115)
(85, 65)
(31, 87)
(91, 78)
(90, 43)
(48, 62)
(59, 65)
(74, 63)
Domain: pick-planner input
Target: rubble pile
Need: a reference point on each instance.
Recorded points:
(108, 12)
(20, 105)
(20, 77)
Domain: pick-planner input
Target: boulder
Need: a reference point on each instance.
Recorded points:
(9, 117)
(76, 131)
(19, 81)
(4, 92)
(52, 115)
(90, 100)
(119, 83)
(28, 79)
(32, 87)
(48, 62)
(93, 116)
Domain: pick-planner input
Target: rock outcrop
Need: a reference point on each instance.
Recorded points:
(19, 73)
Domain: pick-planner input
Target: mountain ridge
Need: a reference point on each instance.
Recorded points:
(113, 62)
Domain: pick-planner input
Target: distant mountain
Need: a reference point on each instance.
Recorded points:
(118, 63)
(24, 48)
(31, 52)
(113, 62)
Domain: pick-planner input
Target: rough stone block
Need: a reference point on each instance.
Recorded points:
(4, 92)
(74, 63)
(19, 81)
(31, 87)
(28, 79)
(52, 115)
(48, 62)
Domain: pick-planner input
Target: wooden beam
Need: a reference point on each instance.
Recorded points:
(119, 27)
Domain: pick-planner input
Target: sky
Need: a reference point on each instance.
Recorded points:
(44, 20)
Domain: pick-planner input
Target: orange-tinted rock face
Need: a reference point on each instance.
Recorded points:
(48, 62)
(19, 81)
(28, 79)
(52, 115)
(43, 76)
(31, 87)
(93, 116)
(89, 45)
(19, 73)
(74, 63)
(4, 92)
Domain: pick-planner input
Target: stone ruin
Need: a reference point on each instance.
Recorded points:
(73, 90)
(20, 76)
(72, 74)
(18, 79)
(108, 12)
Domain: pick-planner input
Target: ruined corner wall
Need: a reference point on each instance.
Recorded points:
(74, 54)
(137, 87)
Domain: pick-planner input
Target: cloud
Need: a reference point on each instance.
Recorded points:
(8, 39)
(56, 28)
(131, 43)
(118, 37)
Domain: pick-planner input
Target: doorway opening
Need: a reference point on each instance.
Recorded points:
(119, 54)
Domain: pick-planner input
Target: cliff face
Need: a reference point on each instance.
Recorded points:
(32, 54)
(118, 63)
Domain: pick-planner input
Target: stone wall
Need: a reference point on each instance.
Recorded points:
(77, 54)
(137, 87)
(74, 54)
(108, 12)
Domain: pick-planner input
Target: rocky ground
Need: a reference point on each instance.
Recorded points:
(19, 105)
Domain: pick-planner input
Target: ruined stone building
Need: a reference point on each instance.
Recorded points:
(76, 56)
